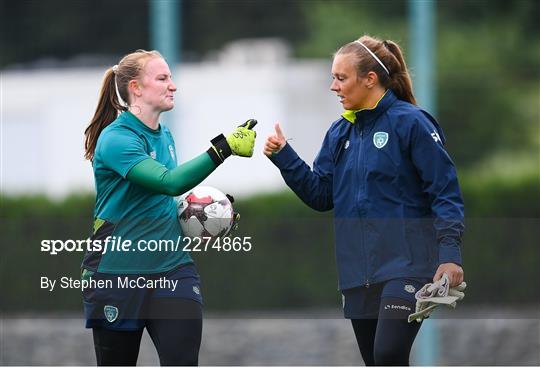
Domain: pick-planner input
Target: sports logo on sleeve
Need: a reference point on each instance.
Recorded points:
(380, 139)
(436, 136)
(171, 151)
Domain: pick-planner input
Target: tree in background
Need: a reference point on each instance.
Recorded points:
(488, 52)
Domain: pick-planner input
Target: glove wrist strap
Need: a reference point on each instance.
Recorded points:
(219, 150)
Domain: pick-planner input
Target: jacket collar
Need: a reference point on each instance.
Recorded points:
(352, 116)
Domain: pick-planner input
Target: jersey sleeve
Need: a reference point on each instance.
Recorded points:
(155, 177)
(120, 150)
(440, 182)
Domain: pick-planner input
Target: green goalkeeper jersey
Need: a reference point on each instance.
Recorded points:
(138, 213)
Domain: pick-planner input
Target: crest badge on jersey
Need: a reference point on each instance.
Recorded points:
(171, 150)
(153, 154)
(111, 313)
(196, 290)
(380, 139)
(410, 289)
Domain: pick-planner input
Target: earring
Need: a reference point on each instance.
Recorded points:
(132, 107)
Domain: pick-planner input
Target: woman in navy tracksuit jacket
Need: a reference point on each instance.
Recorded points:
(398, 208)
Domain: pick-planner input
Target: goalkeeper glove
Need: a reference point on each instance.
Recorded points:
(434, 294)
(239, 143)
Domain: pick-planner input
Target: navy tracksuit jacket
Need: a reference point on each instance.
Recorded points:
(398, 209)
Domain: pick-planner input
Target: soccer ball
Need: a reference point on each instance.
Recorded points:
(205, 211)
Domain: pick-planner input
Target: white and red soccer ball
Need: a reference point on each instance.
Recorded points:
(205, 211)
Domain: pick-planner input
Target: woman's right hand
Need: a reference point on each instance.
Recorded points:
(274, 143)
(239, 143)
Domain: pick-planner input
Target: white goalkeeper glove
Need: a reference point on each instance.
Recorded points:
(431, 295)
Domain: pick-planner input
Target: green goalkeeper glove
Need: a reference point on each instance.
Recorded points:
(242, 140)
(239, 143)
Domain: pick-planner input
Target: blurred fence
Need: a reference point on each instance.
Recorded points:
(228, 340)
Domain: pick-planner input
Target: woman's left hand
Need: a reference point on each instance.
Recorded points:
(454, 272)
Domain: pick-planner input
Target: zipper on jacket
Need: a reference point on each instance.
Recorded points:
(362, 230)
(360, 177)
(363, 175)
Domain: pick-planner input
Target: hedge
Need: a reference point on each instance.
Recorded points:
(292, 262)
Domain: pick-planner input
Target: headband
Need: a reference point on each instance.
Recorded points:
(374, 56)
(120, 100)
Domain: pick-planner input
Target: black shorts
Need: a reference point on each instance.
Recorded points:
(365, 302)
(121, 302)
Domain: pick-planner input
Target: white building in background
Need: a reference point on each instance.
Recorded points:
(44, 114)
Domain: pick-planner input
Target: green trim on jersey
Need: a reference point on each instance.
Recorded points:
(86, 275)
(97, 224)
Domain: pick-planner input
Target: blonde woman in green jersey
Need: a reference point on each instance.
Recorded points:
(136, 175)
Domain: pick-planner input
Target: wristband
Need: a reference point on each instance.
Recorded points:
(219, 150)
